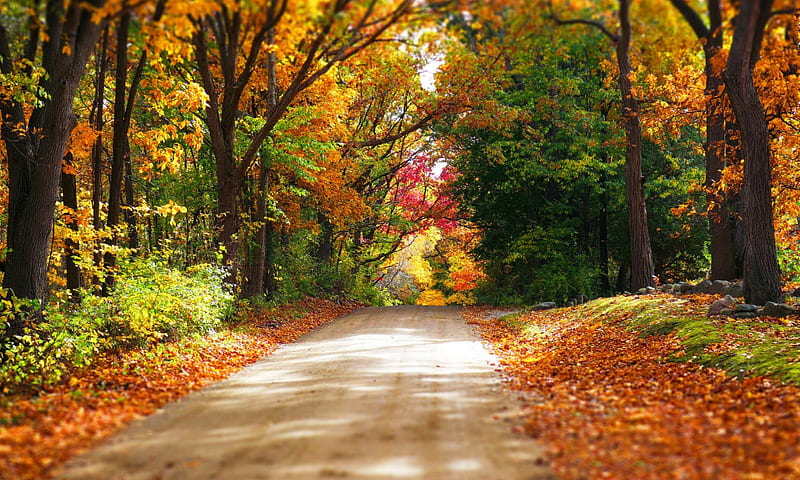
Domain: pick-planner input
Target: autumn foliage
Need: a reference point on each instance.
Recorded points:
(603, 395)
(37, 434)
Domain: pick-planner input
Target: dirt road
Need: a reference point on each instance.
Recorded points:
(397, 393)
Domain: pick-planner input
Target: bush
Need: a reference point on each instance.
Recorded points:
(150, 303)
(153, 302)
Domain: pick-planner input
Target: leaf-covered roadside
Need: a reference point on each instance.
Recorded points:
(38, 434)
(602, 395)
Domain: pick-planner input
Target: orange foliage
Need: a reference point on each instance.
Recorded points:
(606, 404)
(38, 434)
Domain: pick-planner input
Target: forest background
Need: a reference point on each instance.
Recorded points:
(168, 163)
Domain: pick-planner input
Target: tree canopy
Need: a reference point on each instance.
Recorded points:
(452, 151)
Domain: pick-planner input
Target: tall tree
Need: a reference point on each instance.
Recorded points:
(125, 92)
(36, 141)
(723, 252)
(642, 271)
(761, 271)
(229, 46)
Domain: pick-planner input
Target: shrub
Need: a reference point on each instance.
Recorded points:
(151, 303)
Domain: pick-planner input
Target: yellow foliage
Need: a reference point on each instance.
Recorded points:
(431, 297)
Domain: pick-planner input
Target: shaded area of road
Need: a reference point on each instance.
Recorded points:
(392, 393)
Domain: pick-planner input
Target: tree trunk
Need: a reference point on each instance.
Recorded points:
(69, 195)
(641, 254)
(723, 257)
(119, 144)
(258, 262)
(761, 271)
(34, 167)
(130, 202)
(723, 252)
(324, 252)
(605, 282)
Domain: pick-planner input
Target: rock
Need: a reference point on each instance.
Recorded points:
(745, 308)
(645, 291)
(667, 288)
(702, 287)
(545, 306)
(718, 286)
(735, 290)
(582, 299)
(726, 312)
(683, 287)
(745, 315)
(718, 306)
(772, 309)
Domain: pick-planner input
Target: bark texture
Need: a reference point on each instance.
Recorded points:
(761, 270)
(642, 270)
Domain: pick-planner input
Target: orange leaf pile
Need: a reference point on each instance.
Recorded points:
(607, 404)
(38, 434)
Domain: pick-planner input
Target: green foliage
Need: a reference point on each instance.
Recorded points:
(540, 188)
(548, 190)
(301, 274)
(151, 303)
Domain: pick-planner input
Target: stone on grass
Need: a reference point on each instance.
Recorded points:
(745, 315)
(545, 306)
(703, 287)
(683, 287)
(734, 290)
(718, 306)
(772, 309)
(745, 308)
(718, 286)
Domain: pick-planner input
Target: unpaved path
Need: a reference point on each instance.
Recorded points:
(395, 393)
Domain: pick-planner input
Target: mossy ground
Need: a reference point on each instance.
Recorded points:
(743, 347)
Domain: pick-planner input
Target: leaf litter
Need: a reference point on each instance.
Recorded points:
(609, 403)
(40, 433)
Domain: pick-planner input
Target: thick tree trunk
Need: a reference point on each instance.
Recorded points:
(34, 165)
(723, 253)
(761, 270)
(642, 270)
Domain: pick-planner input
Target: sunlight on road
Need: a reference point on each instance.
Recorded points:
(380, 394)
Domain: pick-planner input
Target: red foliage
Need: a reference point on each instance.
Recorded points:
(607, 405)
(38, 434)
(422, 195)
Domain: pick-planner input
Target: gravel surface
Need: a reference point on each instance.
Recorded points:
(383, 393)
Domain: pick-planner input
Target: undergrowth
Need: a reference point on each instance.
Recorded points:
(151, 304)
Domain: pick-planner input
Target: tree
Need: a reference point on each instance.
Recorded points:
(341, 31)
(642, 271)
(124, 100)
(761, 271)
(36, 138)
(723, 252)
